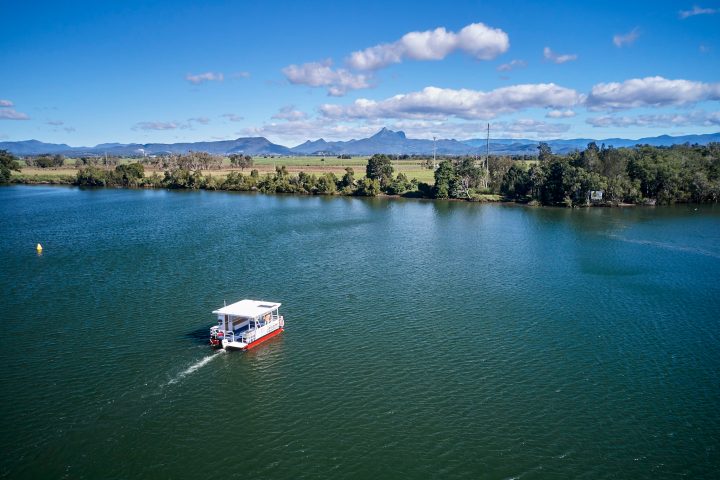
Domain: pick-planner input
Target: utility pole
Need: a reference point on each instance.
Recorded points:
(434, 162)
(487, 156)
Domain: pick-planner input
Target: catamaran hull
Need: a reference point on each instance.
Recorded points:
(228, 345)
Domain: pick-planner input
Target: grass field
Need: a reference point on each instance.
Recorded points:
(317, 165)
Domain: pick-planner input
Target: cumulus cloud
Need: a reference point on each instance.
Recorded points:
(557, 58)
(321, 74)
(11, 114)
(650, 92)
(664, 120)
(629, 38)
(156, 126)
(6, 103)
(560, 114)
(434, 102)
(506, 67)
(683, 14)
(201, 78)
(289, 113)
(232, 117)
(477, 40)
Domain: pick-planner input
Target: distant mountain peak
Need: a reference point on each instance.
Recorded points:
(387, 133)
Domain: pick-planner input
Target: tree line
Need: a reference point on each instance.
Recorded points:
(639, 175)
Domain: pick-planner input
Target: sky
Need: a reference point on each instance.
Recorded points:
(84, 73)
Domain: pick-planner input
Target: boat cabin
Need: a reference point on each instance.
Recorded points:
(246, 323)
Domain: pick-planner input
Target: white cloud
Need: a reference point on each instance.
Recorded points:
(204, 77)
(6, 103)
(557, 58)
(696, 11)
(320, 74)
(201, 120)
(626, 38)
(521, 128)
(438, 103)
(55, 123)
(560, 114)
(289, 113)
(232, 117)
(704, 48)
(506, 67)
(477, 40)
(650, 92)
(297, 131)
(156, 126)
(240, 75)
(529, 127)
(664, 120)
(69, 129)
(11, 114)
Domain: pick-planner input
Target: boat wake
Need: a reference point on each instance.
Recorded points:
(195, 366)
(667, 246)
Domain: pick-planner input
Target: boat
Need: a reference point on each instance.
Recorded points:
(246, 324)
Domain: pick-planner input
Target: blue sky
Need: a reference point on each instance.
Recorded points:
(83, 73)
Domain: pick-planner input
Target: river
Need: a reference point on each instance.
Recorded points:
(424, 339)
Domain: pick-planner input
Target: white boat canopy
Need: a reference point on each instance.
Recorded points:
(247, 308)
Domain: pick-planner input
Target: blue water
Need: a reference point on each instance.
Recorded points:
(423, 339)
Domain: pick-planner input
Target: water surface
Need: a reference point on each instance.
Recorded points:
(424, 339)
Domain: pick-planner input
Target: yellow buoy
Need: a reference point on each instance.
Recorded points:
(39, 248)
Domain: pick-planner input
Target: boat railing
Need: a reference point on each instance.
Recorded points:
(248, 336)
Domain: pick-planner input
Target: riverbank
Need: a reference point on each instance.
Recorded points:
(640, 176)
(61, 177)
(68, 180)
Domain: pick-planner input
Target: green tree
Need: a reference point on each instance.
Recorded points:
(348, 180)
(379, 167)
(515, 183)
(544, 152)
(368, 187)
(400, 185)
(130, 174)
(446, 180)
(8, 164)
(589, 159)
(241, 161)
(183, 178)
(327, 184)
(91, 176)
(470, 177)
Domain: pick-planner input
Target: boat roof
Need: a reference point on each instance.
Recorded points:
(247, 308)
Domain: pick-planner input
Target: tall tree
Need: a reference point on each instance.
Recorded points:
(8, 163)
(446, 180)
(544, 152)
(379, 167)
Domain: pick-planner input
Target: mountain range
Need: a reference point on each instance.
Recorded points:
(384, 141)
